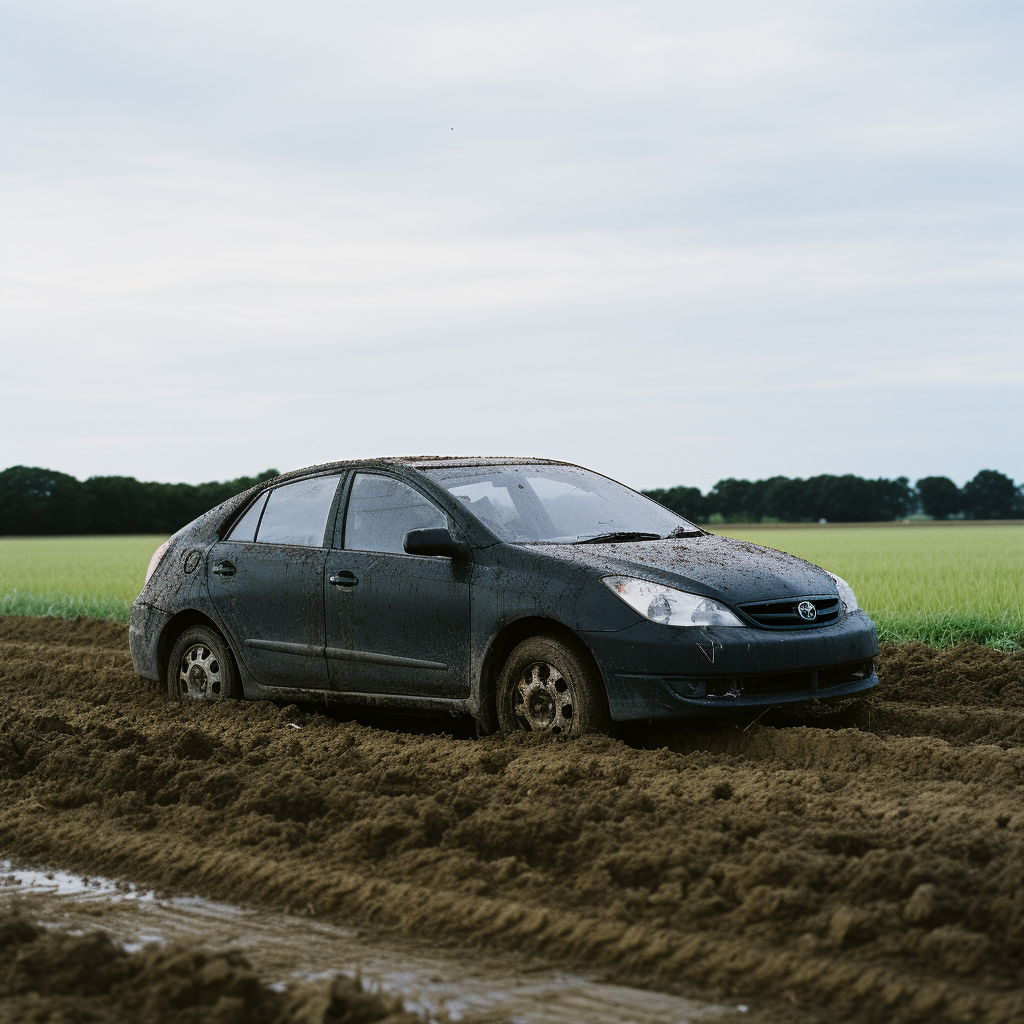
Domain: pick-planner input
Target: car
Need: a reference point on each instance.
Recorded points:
(530, 594)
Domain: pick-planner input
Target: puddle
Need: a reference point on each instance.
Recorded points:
(446, 985)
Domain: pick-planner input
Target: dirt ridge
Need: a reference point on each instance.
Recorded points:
(90, 979)
(861, 862)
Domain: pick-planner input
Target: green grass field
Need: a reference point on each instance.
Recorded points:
(939, 583)
(935, 582)
(69, 576)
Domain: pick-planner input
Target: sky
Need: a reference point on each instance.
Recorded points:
(674, 242)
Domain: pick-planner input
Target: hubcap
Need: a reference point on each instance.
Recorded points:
(544, 700)
(199, 674)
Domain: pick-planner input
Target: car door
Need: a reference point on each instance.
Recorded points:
(266, 579)
(396, 623)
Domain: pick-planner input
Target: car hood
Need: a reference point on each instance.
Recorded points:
(735, 570)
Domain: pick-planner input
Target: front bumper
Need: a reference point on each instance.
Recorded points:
(656, 671)
(145, 627)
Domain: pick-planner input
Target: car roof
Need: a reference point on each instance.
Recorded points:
(417, 462)
(436, 461)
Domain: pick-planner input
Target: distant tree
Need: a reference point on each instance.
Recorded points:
(991, 495)
(686, 501)
(38, 501)
(781, 498)
(840, 499)
(836, 498)
(940, 497)
(897, 497)
(732, 499)
(852, 499)
(41, 501)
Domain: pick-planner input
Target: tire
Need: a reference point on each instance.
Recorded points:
(549, 685)
(201, 667)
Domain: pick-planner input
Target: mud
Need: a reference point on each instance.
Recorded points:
(856, 862)
(289, 951)
(91, 979)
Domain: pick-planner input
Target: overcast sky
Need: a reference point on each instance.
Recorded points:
(671, 241)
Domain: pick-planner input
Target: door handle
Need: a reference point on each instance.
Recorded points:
(223, 569)
(344, 579)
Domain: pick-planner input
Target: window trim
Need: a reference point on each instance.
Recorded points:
(259, 522)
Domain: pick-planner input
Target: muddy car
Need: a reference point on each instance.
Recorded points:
(527, 593)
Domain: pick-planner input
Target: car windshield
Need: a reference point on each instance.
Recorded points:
(544, 504)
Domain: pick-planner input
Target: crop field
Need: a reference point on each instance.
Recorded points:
(937, 583)
(68, 576)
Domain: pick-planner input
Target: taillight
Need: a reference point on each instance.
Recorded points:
(155, 560)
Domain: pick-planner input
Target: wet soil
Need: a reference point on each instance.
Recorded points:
(301, 955)
(860, 861)
(86, 977)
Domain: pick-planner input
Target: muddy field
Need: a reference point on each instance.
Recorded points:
(860, 862)
(87, 978)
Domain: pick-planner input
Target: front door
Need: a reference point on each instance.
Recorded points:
(267, 578)
(396, 623)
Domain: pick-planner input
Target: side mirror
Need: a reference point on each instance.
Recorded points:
(435, 541)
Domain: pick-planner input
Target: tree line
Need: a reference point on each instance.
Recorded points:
(35, 501)
(846, 499)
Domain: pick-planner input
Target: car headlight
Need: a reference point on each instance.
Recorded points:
(845, 593)
(669, 606)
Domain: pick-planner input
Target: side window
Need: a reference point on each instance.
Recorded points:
(381, 511)
(297, 513)
(245, 528)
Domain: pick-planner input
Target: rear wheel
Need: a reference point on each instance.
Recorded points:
(201, 667)
(550, 685)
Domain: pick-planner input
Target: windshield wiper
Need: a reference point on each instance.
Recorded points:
(603, 538)
(687, 531)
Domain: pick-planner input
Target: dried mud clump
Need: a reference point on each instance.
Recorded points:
(54, 977)
(860, 861)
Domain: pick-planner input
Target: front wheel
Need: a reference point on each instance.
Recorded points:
(548, 685)
(201, 667)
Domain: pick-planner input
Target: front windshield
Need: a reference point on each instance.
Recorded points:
(557, 505)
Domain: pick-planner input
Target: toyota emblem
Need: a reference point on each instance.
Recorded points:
(807, 611)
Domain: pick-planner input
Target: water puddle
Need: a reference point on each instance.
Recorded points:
(445, 984)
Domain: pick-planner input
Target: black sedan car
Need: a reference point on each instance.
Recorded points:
(528, 593)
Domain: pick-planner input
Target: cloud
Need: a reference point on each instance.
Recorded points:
(242, 234)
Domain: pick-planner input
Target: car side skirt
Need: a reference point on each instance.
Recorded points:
(399, 702)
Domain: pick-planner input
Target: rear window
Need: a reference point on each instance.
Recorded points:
(297, 513)
(245, 528)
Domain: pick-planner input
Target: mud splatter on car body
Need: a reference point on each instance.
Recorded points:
(313, 634)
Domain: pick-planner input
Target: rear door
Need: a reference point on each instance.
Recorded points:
(395, 623)
(267, 581)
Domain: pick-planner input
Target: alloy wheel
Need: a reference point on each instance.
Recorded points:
(544, 700)
(199, 674)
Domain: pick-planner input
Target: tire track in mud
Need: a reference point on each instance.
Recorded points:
(857, 862)
(299, 958)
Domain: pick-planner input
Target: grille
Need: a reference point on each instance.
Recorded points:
(784, 614)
